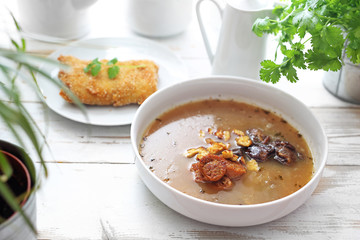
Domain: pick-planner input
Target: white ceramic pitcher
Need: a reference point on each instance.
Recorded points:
(239, 51)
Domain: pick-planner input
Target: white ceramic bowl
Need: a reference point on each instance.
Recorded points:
(250, 91)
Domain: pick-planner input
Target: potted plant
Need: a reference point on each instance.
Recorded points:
(19, 182)
(315, 35)
(18, 210)
(18, 216)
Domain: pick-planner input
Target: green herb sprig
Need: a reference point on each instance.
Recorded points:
(328, 26)
(94, 67)
(113, 71)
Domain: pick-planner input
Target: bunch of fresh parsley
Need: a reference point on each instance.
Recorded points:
(329, 27)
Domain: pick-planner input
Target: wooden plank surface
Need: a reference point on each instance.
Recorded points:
(109, 201)
(342, 126)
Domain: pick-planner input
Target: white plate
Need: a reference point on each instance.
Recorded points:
(171, 70)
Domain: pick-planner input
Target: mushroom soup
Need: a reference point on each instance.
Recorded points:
(227, 152)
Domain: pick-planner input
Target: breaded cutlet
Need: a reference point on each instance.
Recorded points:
(136, 80)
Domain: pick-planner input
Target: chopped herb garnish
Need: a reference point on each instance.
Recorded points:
(94, 67)
(112, 61)
(113, 71)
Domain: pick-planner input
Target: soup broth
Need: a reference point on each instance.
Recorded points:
(167, 140)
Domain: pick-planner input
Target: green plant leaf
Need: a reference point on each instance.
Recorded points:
(270, 71)
(353, 54)
(289, 72)
(278, 10)
(353, 46)
(318, 61)
(299, 60)
(305, 20)
(334, 36)
(113, 71)
(261, 25)
(5, 168)
(112, 61)
(95, 69)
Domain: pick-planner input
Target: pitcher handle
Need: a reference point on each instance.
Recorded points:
(202, 27)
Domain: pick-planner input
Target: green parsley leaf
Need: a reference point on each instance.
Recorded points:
(112, 61)
(270, 71)
(353, 47)
(288, 53)
(265, 25)
(299, 60)
(94, 67)
(334, 36)
(278, 10)
(305, 20)
(289, 72)
(321, 45)
(87, 69)
(353, 54)
(318, 61)
(261, 25)
(113, 71)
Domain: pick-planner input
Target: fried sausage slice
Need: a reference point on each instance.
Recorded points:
(199, 177)
(234, 170)
(213, 167)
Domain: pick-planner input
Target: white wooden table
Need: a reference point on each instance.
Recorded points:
(94, 192)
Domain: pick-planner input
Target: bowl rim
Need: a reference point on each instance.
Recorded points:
(316, 176)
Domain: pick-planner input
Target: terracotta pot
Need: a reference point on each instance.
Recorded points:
(19, 182)
(15, 226)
